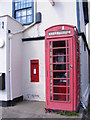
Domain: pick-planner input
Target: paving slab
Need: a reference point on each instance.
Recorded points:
(30, 109)
(0, 113)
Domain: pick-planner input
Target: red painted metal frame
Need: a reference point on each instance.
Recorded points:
(74, 101)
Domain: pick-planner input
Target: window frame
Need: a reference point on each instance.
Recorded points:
(21, 9)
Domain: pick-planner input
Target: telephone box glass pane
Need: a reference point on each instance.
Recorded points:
(60, 97)
(59, 51)
(50, 45)
(50, 52)
(51, 89)
(59, 67)
(67, 50)
(59, 59)
(59, 74)
(59, 82)
(59, 44)
(59, 89)
(67, 43)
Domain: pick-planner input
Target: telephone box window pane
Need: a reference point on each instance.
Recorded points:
(60, 97)
(59, 44)
(51, 89)
(59, 74)
(59, 67)
(50, 52)
(50, 67)
(59, 82)
(68, 74)
(67, 50)
(68, 82)
(67, 43)
(59, 52)
(50, 45)
(67, 58)
(50, 59)
(50, 74)
(68, 66)
(59, 89)
(68, 98)
(68, 90)
(59, 59)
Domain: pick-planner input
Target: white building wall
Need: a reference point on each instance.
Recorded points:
(11, 59)
(82, 22)
(3, 94)
(88, 27)
(15, 50)
(33, 50)
(61, 13)
(84, 68)
(5, 7)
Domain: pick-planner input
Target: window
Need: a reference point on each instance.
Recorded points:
(24, 11)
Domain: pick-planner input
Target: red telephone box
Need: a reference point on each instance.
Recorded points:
(62, 57)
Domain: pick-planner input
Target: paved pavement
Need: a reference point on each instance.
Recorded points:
(29, 109)
(0, 113)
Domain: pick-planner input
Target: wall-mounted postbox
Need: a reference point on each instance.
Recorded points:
(2, 81)
(34, 70)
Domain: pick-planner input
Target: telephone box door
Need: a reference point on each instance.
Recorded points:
(60, 72)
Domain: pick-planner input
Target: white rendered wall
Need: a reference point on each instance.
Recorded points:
(11, 59)
(82, 22)
(61, 13)
(5, 7)
(15, 58)
(3, 94)
(33, 50)
(84, 67)
(88, 27)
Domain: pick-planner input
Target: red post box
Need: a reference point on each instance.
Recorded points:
(34, 70)
(62, 61)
